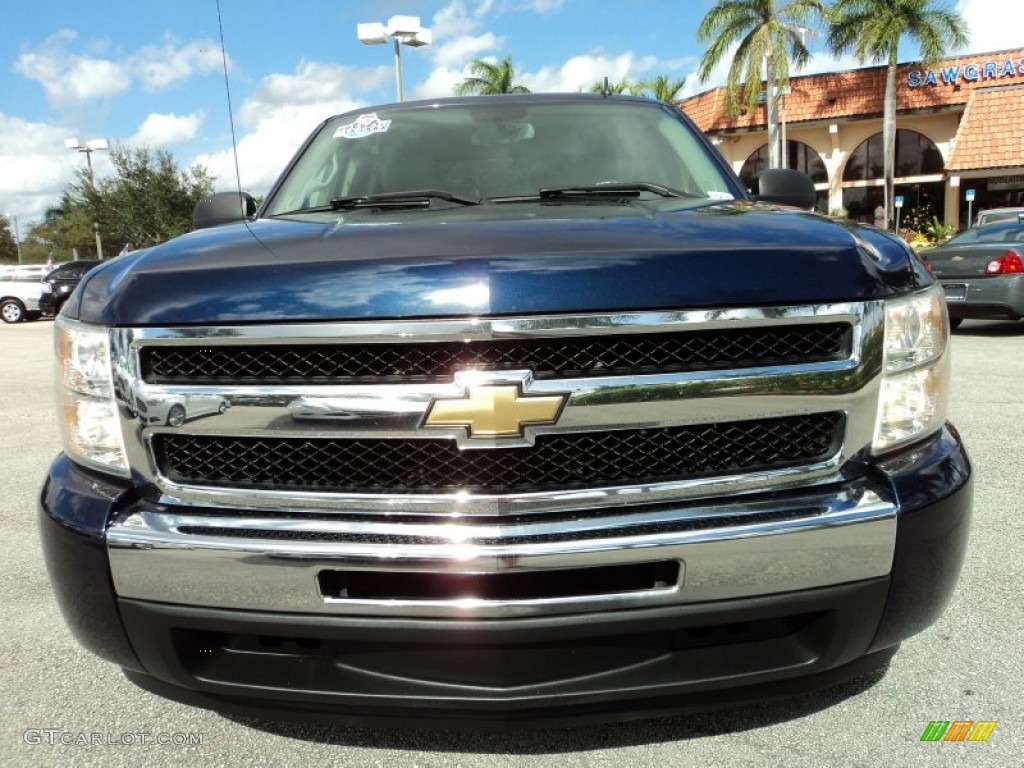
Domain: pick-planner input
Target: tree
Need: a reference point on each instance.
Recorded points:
(872, 29)
(147, 200)
(64, 230)
(768, 38)
(486, 79)
(662, 87)
(8, 246)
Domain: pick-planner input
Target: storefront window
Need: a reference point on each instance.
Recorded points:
(916, 155)
(860, 203)
(994, 192)
(920, 203)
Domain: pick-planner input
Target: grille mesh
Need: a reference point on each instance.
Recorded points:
(555, 462)
(564, 357)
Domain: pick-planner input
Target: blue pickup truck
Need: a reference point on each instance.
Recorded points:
(526, 410)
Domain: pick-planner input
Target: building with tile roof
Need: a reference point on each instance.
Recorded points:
(960, 127)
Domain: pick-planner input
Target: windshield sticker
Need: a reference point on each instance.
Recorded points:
(363, 126)
(714, 194)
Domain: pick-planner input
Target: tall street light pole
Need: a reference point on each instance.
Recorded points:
(403, 30)
(93, 145)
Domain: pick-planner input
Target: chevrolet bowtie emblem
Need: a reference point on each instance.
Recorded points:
(494, 411)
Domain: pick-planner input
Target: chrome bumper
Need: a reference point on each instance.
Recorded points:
(272, 563)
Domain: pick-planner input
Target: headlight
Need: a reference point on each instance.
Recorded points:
(914, 395)
(89, 424)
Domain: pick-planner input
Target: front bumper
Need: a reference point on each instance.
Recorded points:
(623, 659)
(50, 303)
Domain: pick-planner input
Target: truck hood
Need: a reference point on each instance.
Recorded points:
(497, 260)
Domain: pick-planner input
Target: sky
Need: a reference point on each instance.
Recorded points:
(146, 73)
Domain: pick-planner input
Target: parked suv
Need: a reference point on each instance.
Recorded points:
(518, 408)
(58, 285)
(20, 291)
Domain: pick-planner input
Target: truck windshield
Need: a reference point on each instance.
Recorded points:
(502, 152)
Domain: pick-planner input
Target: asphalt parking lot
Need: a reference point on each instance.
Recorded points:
(969, 666)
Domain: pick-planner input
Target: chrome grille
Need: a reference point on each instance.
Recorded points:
(720, 439)
(555, 463)
(547, 358)
(659, 406)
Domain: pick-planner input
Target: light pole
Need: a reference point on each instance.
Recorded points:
(93, 145)
(403, 30)
(783, 92)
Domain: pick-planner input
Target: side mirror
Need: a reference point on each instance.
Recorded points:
(786, 187)
(223, 208)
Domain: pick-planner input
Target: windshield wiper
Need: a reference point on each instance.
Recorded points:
(613, 189)
(416, 198)
(296, 211)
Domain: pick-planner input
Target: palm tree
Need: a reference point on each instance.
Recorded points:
(768, 37)
(662, 87)
(872, 29)
(486, 79)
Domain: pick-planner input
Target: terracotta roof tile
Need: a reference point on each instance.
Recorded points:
(861, 92)
(991, 133)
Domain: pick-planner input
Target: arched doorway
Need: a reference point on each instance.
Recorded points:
(919, 179)
(800, 157)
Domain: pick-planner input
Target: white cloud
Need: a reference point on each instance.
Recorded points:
(546, 6)
(440, 82)
(69, 78)
(457, 41)
(159, 130)
(585, 70)
(312, 83)
(264, 151)
(993, 25)
(460, 38)
(160, 66)
(578, 72)
(282, 112)
(35, 164)
(465, 48)
(459, 18)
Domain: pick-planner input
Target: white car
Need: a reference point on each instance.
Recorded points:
(19, 296)
(992, 215)
(176, 411)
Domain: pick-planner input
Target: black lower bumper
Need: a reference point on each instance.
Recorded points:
(562, 670)
(610, 665)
